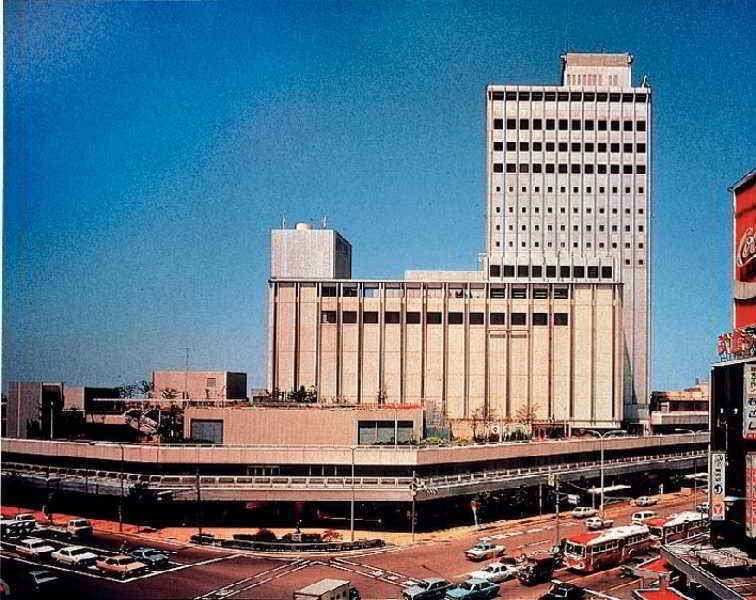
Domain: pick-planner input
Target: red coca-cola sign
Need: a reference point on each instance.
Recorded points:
(744, 263)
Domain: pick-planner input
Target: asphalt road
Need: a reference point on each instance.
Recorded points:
(200, 572)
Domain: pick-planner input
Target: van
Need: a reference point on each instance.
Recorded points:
(79, 528)
(26, 517)
(328, 589)
(642, 515)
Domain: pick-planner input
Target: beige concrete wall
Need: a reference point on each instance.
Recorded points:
(568, 373)
(304, 425)
(201, 384)
(336, 455)
(74, 398)
(321, 253)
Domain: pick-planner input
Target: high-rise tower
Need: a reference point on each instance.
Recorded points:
(569, 192)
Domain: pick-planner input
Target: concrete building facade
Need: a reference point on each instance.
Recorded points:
(558, 311)
(305, 425)
(307, 252)
(524, 351)
(687, 408)
(568, 183)
(199, 385)
(33, 407)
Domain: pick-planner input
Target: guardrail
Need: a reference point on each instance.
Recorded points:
(388, 447)
(321, 482)
(300, 546)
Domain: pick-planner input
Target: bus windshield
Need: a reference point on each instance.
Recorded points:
(656, 531)
(575, 549)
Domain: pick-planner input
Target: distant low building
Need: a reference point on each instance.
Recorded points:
(681, 409)
(199, 385)
(305, 425)
(83, 397)
(33, 407)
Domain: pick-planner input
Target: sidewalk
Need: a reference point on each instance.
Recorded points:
(181, 535)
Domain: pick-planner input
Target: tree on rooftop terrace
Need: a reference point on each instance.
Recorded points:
(484, 415)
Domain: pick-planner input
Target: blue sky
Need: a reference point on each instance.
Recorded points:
(150, 147)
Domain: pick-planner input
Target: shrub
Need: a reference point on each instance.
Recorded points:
(264, 535)
(330, 535)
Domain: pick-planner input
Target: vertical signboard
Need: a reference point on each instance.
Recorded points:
(717, 482)
(744, 264)
(750, 493)
(749, 402)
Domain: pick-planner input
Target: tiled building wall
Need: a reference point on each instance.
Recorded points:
(454, 345)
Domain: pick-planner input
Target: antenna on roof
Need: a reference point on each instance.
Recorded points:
(283, 222)
(323, 222)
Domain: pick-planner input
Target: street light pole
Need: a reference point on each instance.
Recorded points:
(351, 504)
(695, 464)
(199, 498)
(601, 437)
(120, 499)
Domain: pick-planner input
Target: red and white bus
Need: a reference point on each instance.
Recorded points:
(588, 552)
(679, 526)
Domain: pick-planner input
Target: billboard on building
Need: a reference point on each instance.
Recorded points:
(744, 246)
(749, 402)
(717, 483)
(750, 494)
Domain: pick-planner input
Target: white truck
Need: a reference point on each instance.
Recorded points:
(328, 589)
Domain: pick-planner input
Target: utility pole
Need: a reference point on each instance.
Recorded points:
(186, 375)
(199, 497)
(556, 482)
(540, 499)
(120, 499)
(351, 504)
(414, 494)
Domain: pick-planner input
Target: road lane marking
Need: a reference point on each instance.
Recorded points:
(237, 587)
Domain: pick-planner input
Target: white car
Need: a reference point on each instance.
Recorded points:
(485, 549)
(581, 512)
(598, 523)
(77, 556)
(34, 547)
(497, 571)
(642, 515)
(645, 501)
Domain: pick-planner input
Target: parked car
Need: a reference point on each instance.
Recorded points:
(77, 556)
(150, 557)
(38, 583)
(645, 501)
(35, 547)
(563, 591)
(703, 507)
(473, 589)
(202, 538)
(79, 528)
(598, 523)
(635, 561)
(499, 571)
(642, 515)
(13, 529)
(121, 565)
(430, 588)
(581, 512)
(483, 550)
